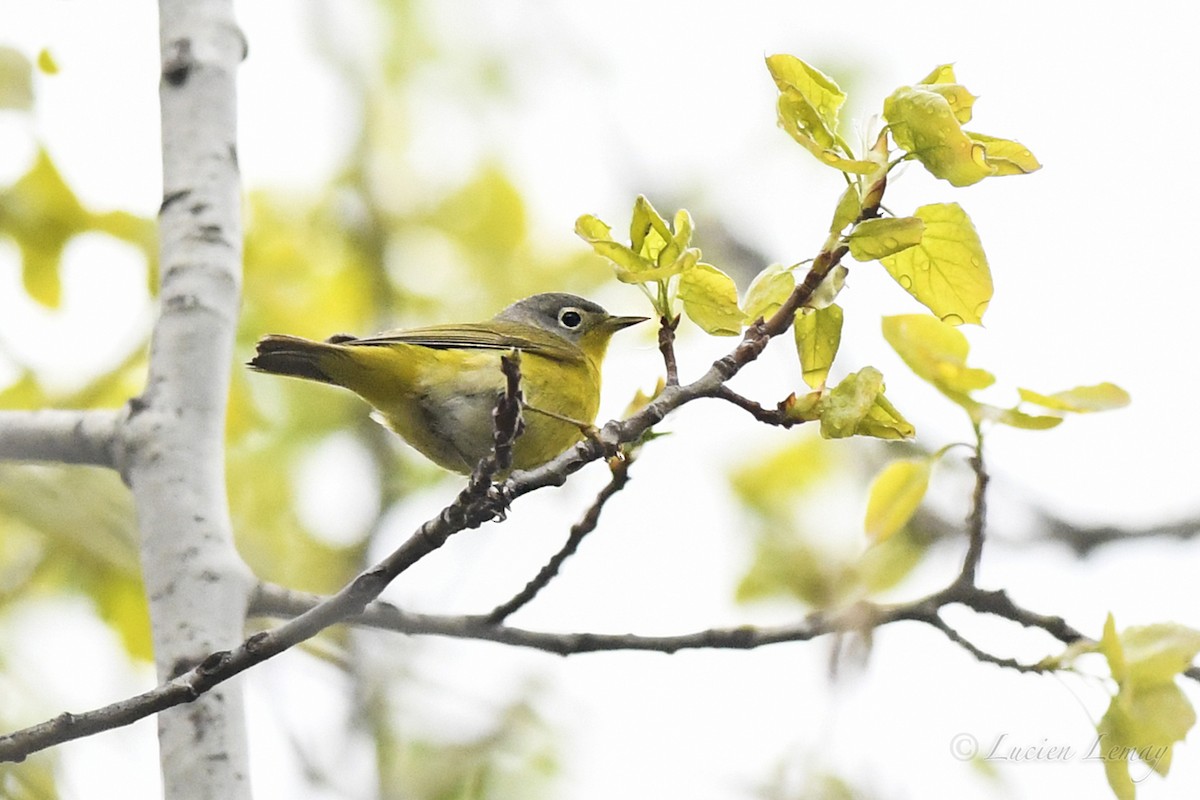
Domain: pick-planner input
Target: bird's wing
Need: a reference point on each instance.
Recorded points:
(494, 335)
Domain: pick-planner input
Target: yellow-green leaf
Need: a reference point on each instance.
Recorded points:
(877, 238)
(46, 62)
(961, 101)
(1116, 770)
(1013, 418)
(644, 220)
(884, 564)
(895, 495)
(768, 291)
(16, 80)
(811, 88)
(849, 402)
(1081, 399)
(42, 214)
(947, 272)
(630, 266)
(1145, 721)
(1006, 156)
(924, 124)
(710, 300)
(936, 352)
(592, 229)
(884, 421)
(849, 206)
(683, 229)
(942, 73)
(1158, 653)
(773, 479)
(796, 117)
(1112, 649)
(818, 332)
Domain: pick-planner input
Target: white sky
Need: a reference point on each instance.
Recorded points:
(1094, 282)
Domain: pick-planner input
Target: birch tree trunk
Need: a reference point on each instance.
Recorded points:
(172, 449)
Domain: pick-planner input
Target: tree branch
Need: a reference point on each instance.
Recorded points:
(982, 655)
(312, 613)
(61, 436)
(977, 520)
(770, 416)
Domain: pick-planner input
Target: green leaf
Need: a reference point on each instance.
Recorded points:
(46, 62)
(1006, 156)
(795, 117)
(884, 564)
(849, 206)
(1112, 649)
(947, 272)
(811, 89)
(768, 291)
(808, 106)
(631, 267)
(1081, 399)
(961, 101)
(925, 125)
(942, 73)
(42, 214)
(848, 403)
(772, 481)
(936, 352)
(1157, 653)
(592, 229)
(895, 495)
(818, 332)
(926, 122)
(1119, 780)
(877, 238)
(1013, 418)
(644, 220)
(16, 80)
(1146, 722)
(710, 300)
(1149, 712)
(857, 406)
(884, 421)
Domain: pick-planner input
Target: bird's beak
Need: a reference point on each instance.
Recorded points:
(618, 323)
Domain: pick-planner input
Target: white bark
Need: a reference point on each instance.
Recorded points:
(172, 450)
(64, 437)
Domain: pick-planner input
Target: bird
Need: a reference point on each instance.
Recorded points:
(437, 386)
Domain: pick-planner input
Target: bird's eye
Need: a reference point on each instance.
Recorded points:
(570, 318)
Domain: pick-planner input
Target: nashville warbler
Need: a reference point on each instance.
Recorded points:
(436, 386)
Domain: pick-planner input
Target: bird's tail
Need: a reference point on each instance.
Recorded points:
(300, 358)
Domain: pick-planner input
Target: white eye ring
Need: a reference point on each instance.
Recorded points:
(570, 318)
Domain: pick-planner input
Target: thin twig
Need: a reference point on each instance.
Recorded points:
(620, 476)
(982, 655)
(771, 416)
(976, 522)
(666, 346)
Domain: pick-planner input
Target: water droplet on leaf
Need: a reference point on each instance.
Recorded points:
(906, 282)
(952, 319)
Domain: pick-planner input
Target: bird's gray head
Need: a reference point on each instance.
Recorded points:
(566, 315)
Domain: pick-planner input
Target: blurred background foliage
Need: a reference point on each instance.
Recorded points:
(378, 246)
